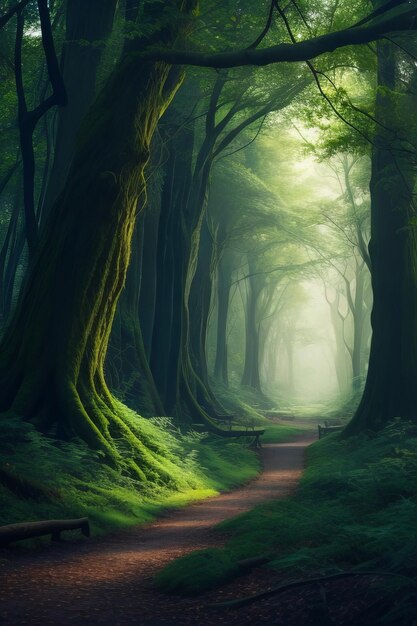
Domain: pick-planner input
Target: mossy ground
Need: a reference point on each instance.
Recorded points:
(356, 508)
(43, 478)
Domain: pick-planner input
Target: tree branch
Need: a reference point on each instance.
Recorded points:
(292, 52)
(275, 104)
(265, 31)
(309, 581)
(11, 12)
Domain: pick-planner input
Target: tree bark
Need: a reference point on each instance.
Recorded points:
(147, 295)
(224, 280)
(358, 323)
(127, 366)
(199, 303)
(171, 263)
(250, 377)
(88, 24)
(52, 355)
(390, 389)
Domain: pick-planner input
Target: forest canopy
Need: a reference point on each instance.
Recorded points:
(166, 236)
(79, 321)
(208, 241)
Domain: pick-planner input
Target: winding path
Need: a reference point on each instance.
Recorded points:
(109, 580)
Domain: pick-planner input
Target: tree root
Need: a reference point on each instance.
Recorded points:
(303, 582)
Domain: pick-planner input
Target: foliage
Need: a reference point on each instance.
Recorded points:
(200, 570)
(355, 509)
(43, 478)
(249, 406)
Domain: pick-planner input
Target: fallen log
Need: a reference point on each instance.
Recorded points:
(54, 527)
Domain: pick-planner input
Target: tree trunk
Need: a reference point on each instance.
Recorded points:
(170, 263)
(88, 24)
(52, 356)
(289, 349)
(147, 296)
(199, 303)
(390, 389)
(127, 366)
(250, 377)
(358, 320)
(340, 352)
(224, 275)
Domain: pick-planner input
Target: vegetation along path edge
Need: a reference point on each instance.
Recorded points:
(109, 580)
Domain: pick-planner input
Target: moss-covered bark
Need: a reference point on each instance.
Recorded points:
(52, 355)
(127, 367)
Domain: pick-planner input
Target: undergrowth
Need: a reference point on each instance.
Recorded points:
(356, 508)
(249, 407)
(245, 403)
(43, 478)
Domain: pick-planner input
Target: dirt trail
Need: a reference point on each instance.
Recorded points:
(109, 580)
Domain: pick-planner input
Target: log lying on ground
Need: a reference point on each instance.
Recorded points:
(53, 527)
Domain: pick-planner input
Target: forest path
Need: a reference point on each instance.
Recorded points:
(108, 580)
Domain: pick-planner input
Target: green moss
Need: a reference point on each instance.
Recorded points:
(356, 507)
(42, 478)
(277, 433)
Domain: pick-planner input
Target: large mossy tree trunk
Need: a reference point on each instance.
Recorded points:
(127, 367)
(390, 389)
(52, 355)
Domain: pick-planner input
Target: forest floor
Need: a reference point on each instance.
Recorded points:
(109, 580)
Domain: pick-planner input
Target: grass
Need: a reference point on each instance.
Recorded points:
(245, 403)
(356, 507)
(278, 433)
(41, 478)
(248, 406)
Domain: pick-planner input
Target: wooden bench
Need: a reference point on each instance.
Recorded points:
(254, 434)
(327, 430)
(54, 527)
(256, 442)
